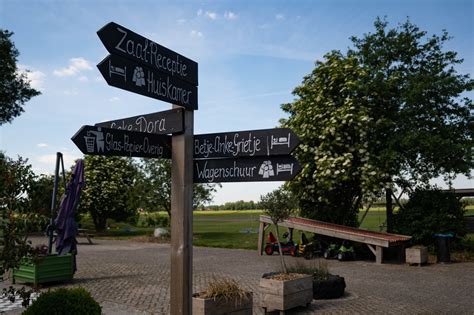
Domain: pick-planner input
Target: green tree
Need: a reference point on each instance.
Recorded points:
(430, 211)
(156, 187)
(15, 88)
(15, 180)
(106, 194)
(388, 112)
(40, 194)
(278, 205)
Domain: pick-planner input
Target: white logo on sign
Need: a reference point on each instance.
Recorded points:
(266, 169)
(138, 76)
(94, 137)
(117, 71)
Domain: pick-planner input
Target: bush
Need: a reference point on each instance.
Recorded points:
(429, 212)
(75, 301)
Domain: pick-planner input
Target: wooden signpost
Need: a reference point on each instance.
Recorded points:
(139, 65)
(161, 123)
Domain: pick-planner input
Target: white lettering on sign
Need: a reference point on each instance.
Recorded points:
(167, 89)
(148, 52)
(141, 124)
(125, 145)
(216, 174)
(247, 145)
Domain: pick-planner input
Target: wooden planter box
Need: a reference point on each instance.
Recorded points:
(416, 255)
(48, 269)
(284, 295)
(221, 306)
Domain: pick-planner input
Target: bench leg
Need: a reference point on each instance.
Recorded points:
(378, 254)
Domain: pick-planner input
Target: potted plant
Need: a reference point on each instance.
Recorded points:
(283, 290)
(223, 296)
(41, 267)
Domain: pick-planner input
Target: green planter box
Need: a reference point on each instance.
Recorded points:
(48, 269)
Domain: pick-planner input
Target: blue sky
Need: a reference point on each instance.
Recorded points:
(251, 55)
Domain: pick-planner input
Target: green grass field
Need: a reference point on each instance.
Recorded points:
(231, 229)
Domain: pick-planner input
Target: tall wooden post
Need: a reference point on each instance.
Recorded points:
(389, 207)
(182, 218)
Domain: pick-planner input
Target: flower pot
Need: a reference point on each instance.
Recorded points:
(45, 269)
(241, 306)
(416, 255)
(285, 294)
(331, 288)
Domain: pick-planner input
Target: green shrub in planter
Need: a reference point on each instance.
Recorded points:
(75, 301)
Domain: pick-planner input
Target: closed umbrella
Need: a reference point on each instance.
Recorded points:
(65, 223)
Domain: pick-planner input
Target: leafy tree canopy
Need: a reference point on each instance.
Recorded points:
(107, 190)
(156, 187)
(388, 111)
(15, 88)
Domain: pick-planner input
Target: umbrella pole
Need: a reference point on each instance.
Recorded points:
(59, 157)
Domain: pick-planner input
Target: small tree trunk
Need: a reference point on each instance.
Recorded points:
(279, 250)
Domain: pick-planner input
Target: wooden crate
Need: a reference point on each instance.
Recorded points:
(416, 255)
(284, 295)
(47, 269)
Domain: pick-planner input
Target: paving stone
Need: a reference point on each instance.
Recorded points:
(128, 277)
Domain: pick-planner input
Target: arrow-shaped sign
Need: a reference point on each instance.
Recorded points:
(131, 76)
(265, 142)
(121, 41)
(165, 122)
(112, 142)
(259, 169)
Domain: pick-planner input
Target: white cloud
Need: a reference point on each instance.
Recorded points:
(230, 15)
(35, 77)
(211, 15)
(42, 145)
(181, 21)
(114, 99)
(199, 12)
(195, 33)
(83, 78)
(76, 65)
(279, 16)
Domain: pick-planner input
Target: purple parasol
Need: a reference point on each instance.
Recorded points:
(65, 224)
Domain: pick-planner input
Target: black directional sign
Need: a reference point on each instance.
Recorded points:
(121, 41)
(112, 142)
(265, 142)
(258, 169)
(131, 76)
(165, 122)
(128, 75)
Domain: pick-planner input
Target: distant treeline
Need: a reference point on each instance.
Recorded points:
(235, 205)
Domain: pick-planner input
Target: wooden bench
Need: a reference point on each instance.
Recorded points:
(85, 233)
(375, 241)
